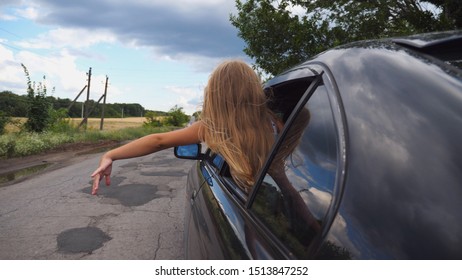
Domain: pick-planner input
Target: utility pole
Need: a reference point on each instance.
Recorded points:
(75, 99)
(104, 104)
(88, 98)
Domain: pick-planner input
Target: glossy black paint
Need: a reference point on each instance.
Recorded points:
(404, 187)
(398, 114)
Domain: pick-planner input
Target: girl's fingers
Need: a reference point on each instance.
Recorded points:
(108, 180)
(95, 186)
(97, 171)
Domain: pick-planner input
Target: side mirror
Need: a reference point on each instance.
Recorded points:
(193, 151)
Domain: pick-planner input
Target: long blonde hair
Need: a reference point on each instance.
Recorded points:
(237, 122)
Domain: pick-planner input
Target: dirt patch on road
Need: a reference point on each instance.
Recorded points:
(14, 170)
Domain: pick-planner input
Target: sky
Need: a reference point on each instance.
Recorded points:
(154, 52)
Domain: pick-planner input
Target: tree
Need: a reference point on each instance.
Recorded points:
(176, 116)
(281, 34)
(197, 115)
(4, 120)
(38, 114)
(152, 119)
(451, 10)
(13, 105)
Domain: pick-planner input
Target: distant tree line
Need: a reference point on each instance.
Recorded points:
(14, 105)
(49, 114)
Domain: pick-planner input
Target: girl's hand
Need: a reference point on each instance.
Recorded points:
(143, 146)
(104, 170)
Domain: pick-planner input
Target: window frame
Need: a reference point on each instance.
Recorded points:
(324, 77)
(306, 96)
(319, 74)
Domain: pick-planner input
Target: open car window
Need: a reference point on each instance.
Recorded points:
(296, 192)
(282, 100)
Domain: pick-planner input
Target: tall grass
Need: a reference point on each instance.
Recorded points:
(29, 143)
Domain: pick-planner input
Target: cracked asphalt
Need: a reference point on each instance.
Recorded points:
(140, 216)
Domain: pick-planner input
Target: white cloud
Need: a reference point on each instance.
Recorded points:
(7, 17)
(186, 7)
(65, 78)
(297, 10)
(60, 71)
(174, 27)
(190, 98)
(10, 71)
(68, 37)
(29, 12)
(191, 39)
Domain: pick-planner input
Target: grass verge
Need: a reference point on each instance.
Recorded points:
(25, 144)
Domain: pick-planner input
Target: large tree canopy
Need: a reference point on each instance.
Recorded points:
(280, 34)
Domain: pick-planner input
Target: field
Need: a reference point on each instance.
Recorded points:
(111, 123)
(94, 123)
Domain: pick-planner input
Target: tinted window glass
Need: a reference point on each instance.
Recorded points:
(297, 190)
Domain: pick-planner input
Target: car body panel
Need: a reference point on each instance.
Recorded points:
(219, 226)
(403, 192)
(398, 122)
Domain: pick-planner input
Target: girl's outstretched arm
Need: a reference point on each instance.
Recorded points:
(144, 146)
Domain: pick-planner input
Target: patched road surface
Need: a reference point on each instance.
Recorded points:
(140, 216)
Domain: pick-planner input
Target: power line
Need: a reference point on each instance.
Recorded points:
(21, 49)
(11, 33)
(11, 47)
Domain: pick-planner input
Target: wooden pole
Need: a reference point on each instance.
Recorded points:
(72, 103)
(104, 104)
(91, 111)
(84, 121)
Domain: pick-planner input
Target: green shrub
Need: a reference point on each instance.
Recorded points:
(59, 121)
(53, 140)
(176, 117)
(38, 110)
(4, 120)
(29, 144)
(7, 145)
(152, 120)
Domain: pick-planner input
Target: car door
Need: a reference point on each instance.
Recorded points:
(265, 225)
(301, 185)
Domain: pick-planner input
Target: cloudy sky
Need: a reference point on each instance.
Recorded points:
(156, 53)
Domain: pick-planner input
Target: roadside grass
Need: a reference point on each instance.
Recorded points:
(19, 144)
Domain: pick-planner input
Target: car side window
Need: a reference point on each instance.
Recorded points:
(296, 192)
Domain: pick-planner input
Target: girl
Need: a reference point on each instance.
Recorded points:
(235, 123)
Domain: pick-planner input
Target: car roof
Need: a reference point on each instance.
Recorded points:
(446, 46)
(431, 40)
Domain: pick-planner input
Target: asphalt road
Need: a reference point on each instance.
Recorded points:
(140, 216)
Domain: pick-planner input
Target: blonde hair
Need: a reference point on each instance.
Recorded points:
(237, 122)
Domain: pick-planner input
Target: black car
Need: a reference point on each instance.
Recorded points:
(377, 173)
